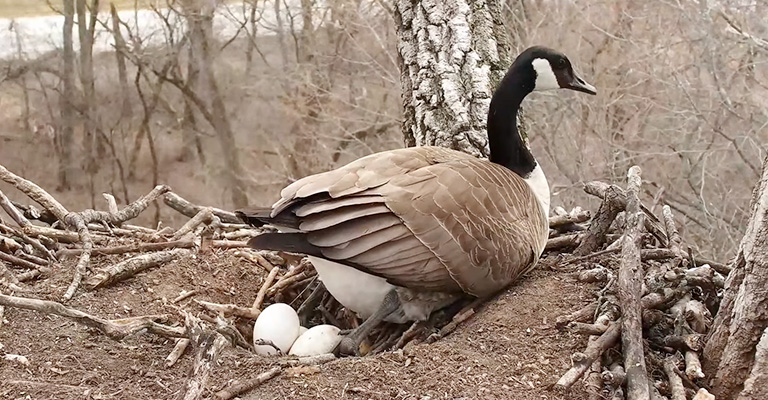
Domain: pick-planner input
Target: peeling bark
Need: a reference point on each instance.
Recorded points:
(452, 55)
(730, 353)
(756, 386)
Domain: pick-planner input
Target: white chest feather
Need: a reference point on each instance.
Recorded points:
(360, 292)
(545, 77)
(540, 187)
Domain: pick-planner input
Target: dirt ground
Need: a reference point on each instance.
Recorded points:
(508, 350)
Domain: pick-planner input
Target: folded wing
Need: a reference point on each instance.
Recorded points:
(427, 218)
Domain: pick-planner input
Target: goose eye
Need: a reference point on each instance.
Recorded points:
(561, 63)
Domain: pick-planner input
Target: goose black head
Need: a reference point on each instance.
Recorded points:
(549, 69)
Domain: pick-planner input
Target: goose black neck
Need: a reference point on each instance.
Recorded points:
(507, 147)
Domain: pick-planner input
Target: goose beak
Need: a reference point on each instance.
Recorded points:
(579, 85)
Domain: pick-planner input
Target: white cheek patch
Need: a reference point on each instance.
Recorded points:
(545, 77)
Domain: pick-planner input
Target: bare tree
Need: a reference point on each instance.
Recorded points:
(67, 110)
(730, 353)
(251, 32)
(195, 52)
(199, 15)
(321, 81)
(304, 49)
(86, 24)
(93, 145)
(448, 74)
(122, 70)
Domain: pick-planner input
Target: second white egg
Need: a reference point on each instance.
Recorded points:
(317, 340)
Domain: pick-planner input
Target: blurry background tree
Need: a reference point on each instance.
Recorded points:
(229, 101)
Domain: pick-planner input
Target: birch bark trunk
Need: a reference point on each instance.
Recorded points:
(452, 54)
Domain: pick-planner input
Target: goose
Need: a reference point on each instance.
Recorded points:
(399, 234)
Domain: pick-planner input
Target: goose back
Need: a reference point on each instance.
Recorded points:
(426, 218)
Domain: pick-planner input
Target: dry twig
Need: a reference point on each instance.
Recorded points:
(310, 360)
(563, 242)
(630, 280)
(131, 267)
(17, 261)
(183, 206)
(178, 350)
(208, 344)
(230, 309)
(255, 258)
(582, 361)
(558, 221)
(12, 211)
(652, 224)
(205, 216)
(675, 243)
(184, 295)
(115, 329)
(131, 248)
(693, 365)
(8, 230)
(237, 388)
(463, 315)
(598, 228)
(675, 382)
(292, 276)
(264, 287)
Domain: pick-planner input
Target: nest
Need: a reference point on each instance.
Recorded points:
(654, 304)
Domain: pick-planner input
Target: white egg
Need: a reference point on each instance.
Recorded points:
(279, 324)
(316, 340)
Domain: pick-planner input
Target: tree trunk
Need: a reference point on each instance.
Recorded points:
(190, 138)
(67, 116)
(87, 82)
(200, 17)
(730, 353)
(27, 115)
(251, 34)
(122, 71)
(280, 32)
(305, 40)
(452, 55)
(756, 386)
(310, 96)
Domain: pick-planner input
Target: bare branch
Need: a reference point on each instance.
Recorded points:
(114, 329)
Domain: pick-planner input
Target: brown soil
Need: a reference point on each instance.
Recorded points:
(508, 350)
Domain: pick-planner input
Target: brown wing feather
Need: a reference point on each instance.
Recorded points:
(495, 223)
(344, 232)
(428, 218)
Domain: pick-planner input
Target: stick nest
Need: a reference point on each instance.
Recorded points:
(653, 304)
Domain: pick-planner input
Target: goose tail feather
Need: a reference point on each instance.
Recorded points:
(260, 216)
(288, 242)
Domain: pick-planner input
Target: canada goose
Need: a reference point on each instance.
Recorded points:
(399, 234)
